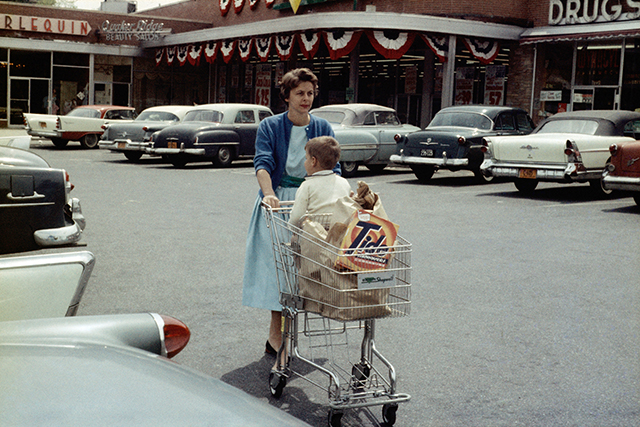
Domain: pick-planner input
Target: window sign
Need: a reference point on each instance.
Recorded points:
(494, 84)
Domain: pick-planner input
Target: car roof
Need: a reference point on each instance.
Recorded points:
(229, 106)
(615, 116)
(17, 157)
(489, 110)
(106, 107)
(355, 112)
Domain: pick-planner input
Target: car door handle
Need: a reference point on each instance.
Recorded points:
(35, 196)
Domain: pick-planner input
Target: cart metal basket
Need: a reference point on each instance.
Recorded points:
(326, 305)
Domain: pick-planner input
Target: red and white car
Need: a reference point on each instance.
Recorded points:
(623, 171)
(82, 124)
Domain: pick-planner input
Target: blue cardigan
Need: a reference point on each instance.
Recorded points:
(272, 144)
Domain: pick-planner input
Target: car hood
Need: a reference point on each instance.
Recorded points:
(10, 156)
(185, 131)
(133, 130)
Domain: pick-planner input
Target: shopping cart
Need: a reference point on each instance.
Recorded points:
(324, 305)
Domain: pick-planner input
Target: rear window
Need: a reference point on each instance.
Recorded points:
(582, 126)
(158, 116)
(465, 120)
(382, 118)
(203, 116)
(84, 112)
(330, 116)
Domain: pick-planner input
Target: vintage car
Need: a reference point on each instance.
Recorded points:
(43, 285)
(366, 133)
(115, 370)
(567, 147)
(623, 170)
(453, 139)
(82, 124)
(220, 133)
(133, 138)
(36, 209)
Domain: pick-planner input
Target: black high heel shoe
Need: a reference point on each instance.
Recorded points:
(270, 350)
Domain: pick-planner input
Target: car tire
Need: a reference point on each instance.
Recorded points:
(376, 168)
(423, 173)
(526, 186)
(636, 198)
(90, 140)
(133, 156)
(598, 189)
(224, 157)
(482, 178)
(178, 161)
(59, 142)
(349, 169)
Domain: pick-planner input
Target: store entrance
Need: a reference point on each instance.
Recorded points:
(29, 95)
(595, 98)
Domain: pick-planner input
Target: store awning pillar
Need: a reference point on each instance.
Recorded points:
(448, 74)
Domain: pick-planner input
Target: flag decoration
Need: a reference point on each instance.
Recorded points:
(253, 4)
(438, 44)
(238, 5)
(284, 46)
(244, 48)
(210, 51)
(171, 54)
(159, 55)
(195, 52)
(227, 48)
(390, 43)
(263, 46)
(269, 3)
(309, 43)
(294, 5)
(181, 55)
(483, 50)
(224, 7)
(340, 42)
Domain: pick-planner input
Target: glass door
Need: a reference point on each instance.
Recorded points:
(594, 98)
(29, 96)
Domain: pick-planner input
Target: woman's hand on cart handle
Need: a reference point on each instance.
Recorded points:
(271, 200)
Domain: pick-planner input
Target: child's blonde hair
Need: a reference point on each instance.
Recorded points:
(326, 149)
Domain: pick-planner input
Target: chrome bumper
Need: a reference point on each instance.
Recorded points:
(624, 183)
(174, 151)
(413, 160)
(566, 172)
(124, 145)
(63, 235)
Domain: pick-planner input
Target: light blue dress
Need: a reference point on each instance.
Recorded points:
(260, 285)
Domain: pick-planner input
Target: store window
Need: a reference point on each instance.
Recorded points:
(555, 95)
(70, 79)
(4, 69)
(630, 99)
(112, 80)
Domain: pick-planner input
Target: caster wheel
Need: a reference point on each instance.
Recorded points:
(276, 384)
(389, 413)
(335, 419)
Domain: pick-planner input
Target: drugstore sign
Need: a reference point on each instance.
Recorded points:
(44, 25)
(568, 12)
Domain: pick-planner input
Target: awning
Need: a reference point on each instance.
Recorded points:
(602, 31)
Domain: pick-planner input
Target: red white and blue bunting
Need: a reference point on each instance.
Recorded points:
(244, 49)
(284, 46)
(211, 51)
(438, 44)
(483, 50)
(391, 44)
(182, 53)
(224, 6)
(263, 46)
(159, 56)
(253, 4)
(238, 5)
(309, 43)
(171, 54)
(226, 49)
(195, 52)
(269, 3)
(340, 42)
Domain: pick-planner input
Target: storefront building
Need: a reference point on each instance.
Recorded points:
(415, 56)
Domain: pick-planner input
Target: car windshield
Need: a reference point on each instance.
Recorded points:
(157, 116)
(458, 119)
(203, 116)
(84, 112)
(581, 126)
(331, 116)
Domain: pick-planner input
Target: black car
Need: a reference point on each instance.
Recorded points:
(220, 133)
(453, 139)
(36, 209)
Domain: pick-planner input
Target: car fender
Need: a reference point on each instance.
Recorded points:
(357, 145)
(212, 140)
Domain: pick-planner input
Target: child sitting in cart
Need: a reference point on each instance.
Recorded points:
(322, 187)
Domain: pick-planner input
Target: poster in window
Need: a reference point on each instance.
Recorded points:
(494, 84)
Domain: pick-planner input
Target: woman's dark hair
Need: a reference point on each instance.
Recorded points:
(292, 80)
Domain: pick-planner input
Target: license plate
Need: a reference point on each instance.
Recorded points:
(43, 124)
(528, 173)
(172, 144)
(426, 153)
(122, 145)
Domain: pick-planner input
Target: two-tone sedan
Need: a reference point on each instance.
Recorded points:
(366, 133)
(567, 147)
(453, 139)
(133, 138)
(623, 170)
(220, 133)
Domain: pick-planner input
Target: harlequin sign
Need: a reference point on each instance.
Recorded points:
(368, 242)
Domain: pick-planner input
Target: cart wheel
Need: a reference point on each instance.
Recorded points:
(389, 413)
(360, 373)
(276, 384)
(335, 419)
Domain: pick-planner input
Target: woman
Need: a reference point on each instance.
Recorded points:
(279, 165)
